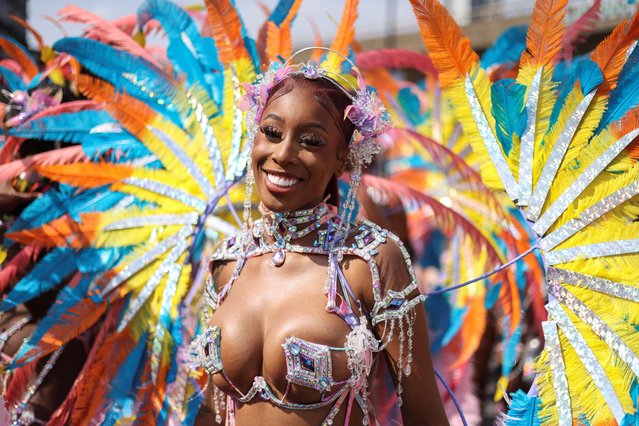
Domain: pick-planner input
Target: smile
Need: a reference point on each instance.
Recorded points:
(281, 181)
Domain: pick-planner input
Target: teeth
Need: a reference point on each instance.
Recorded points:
(281, 181)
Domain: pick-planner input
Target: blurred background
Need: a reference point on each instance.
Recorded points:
(382, 23)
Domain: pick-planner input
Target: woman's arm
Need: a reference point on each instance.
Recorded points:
(421, 403)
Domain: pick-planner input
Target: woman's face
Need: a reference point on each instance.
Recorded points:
(297, 150)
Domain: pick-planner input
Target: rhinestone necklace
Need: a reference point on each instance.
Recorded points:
(285, 227)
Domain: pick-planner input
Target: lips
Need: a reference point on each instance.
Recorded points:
(279, 182)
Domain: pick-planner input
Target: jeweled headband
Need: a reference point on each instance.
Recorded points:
(367, 113)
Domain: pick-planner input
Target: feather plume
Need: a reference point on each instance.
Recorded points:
(24, 24)
(17, 266)
(86, 175)
(66, 155)
(344, 37)
(21, 379)
(611, 53)
(11, 80)
(579, 29)
(448, 48)
(105, 31)
(20, 54)
(545, 33)
(62, 232)
(278, 36)
(507, 49)
(227, 30)
(395, 58)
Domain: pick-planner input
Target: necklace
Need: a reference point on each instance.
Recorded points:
(287, 226)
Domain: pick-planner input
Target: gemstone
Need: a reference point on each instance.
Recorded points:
(307, 363)
(294, 348)
(396, 303)
(407, 370)
(323, 381)
(278, 258)
(218, 419)
(399, 401)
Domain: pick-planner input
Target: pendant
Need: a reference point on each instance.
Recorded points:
(278, 257)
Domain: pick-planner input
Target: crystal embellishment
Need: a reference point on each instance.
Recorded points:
(308, 364)
(205, 350)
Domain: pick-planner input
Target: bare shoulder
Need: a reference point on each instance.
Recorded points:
(381, 257)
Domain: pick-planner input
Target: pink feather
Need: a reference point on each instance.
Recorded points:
(105, 31)
(72, 154)
(17, 266)
(14, 67)
(579, 30)
(396, 58)
(129, 24)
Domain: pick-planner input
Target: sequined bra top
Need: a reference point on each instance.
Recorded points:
(310, 364)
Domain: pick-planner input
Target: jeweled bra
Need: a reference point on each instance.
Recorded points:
(310, 364)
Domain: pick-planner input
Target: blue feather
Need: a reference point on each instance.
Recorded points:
(281, 11)
(54, 267)
(54, 203)
(94, 129)
(507, 48)
(12, 81)
(626, 95)
(523, 410)
(510, 342)
(122, 389)
(508, 109)
(126, 72)
(492, 294)
(192, 55)
(439, 319)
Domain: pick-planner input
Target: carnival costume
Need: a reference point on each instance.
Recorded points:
(122, 233)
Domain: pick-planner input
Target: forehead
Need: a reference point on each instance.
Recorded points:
(303, 103)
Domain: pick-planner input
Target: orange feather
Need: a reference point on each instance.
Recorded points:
(29, 67)
(227, 29)
(545, 33)
(278, 39)
(86, 175)
(471, 332)
(449, 49)
(610, 54)
(24, 24)
(61, 232)
(345, 34)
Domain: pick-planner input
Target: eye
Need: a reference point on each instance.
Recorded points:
(271, 133)
(312, 140)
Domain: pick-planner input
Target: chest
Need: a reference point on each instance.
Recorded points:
(268, 305)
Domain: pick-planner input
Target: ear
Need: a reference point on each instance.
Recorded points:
(342, 157)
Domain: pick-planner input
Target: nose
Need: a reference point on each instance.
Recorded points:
(285, 152)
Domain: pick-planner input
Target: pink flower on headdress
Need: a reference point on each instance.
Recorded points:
(368, 114)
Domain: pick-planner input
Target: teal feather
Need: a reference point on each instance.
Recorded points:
(192, 55)
(626, 95)
(508, 109)
(12, 82)
(54, 267)
(127, 73)
(523, 410)
(507, 48)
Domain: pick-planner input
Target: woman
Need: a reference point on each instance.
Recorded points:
(309, 306)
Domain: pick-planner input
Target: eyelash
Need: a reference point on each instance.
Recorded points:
(309, 140)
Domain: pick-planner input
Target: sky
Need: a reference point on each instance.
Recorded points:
(373, 21)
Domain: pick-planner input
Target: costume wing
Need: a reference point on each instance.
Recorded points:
(573, 173)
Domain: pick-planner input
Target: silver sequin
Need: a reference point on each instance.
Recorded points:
(167, 191)
(492, 146)
(611, 288)
(558, 370)
(587, 357)
(155, 220)
(136, 265)
(186, 161)
(527, 146)
(600, 327)
(555, 157)
(588, 251)
(589, 215)
(589, 174)
(166, 265)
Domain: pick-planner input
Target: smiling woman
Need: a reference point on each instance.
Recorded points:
(311, 307)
